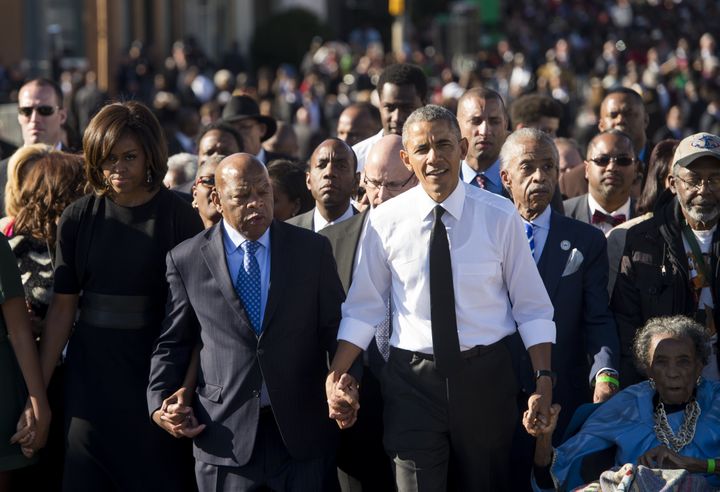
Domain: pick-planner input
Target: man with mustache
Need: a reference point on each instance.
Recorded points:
(670, 262)
(572, 260)
(332, 179)
(611, 169)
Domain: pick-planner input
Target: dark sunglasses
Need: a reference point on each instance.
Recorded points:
(208, 181)
(620, 160)
(27, 111)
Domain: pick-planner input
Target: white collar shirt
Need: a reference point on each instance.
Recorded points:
(320, 222)
(496, 283)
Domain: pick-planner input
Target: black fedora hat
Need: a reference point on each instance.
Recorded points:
(243, 108)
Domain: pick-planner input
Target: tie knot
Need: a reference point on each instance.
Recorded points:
(438, 212)
(250, 247)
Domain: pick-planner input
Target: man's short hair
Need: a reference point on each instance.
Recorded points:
(405, 74)
(512, 146)
(431, 113)
(485, 93)
(612, 131)
(529, 108)
(223, 127)
(631, 93)
(43, 82)
(367, 110)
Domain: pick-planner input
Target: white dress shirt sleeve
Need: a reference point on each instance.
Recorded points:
(531, 305)
(365, 307)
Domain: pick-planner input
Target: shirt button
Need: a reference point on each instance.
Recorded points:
(261, 352)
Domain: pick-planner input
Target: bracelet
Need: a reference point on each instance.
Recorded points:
(711, 465)
(604, 378)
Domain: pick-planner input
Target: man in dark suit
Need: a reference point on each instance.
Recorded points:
(611, 168)
(41, 116)
(262, 300)
(572, 261)
(332, 178)
(243, 113)
(362, 462)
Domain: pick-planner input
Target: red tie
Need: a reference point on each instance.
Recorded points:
(599, 217)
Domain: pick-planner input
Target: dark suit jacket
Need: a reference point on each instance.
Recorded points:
(578, 208)
(299, 331)
(344, 238)
(586, 339)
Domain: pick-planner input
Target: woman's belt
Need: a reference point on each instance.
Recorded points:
(111, 311)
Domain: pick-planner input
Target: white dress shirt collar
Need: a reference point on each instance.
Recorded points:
(594, 205)
(320, 223)
(232, 238)
(453, 203)
(543, 220)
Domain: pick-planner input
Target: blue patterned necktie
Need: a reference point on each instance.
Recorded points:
(480, 181)
(247, 284)
(530, 237)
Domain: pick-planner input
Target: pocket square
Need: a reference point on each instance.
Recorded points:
(573, 263)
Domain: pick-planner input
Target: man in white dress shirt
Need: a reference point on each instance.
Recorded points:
(455, 261)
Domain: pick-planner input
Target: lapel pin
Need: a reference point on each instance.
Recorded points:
(565, 245)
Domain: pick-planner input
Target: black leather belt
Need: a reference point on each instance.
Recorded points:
(466, 354)
(125, 312)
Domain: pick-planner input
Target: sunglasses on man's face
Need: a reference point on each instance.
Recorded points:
(619, 160)
(27, 111)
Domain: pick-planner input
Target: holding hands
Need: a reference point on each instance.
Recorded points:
(176, 415)
(343, 397)
(32, 428)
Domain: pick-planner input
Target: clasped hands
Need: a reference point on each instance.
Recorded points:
(176, 416)
(343, 398)
(32, 429)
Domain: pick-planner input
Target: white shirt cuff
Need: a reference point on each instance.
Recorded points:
(356, 332)
(537, 331)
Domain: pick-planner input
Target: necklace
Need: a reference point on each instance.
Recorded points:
(685, 434)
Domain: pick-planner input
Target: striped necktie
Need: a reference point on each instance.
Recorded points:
(529, 231)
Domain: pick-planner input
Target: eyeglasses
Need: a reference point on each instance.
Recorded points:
(694, 183)
(27, 111)
(390, 186)
(620, 160)
(208, 181)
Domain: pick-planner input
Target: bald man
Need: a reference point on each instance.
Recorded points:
(362, 462)
(263, 299)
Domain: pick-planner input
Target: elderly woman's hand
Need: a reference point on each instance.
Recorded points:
(664, 457)
(535, 426)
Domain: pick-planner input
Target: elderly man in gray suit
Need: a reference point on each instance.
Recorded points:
(261, 299)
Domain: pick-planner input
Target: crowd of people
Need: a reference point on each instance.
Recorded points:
(370, 274)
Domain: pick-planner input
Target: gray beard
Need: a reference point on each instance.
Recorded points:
(700, 216)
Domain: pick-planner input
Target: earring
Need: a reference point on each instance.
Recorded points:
(652, 383)
(149, 177)
(194, 204)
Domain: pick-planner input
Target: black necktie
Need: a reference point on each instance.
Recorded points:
(446, 347)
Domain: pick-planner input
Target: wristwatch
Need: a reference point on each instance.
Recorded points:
(546, 373)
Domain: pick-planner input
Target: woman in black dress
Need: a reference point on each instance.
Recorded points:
(110, 270)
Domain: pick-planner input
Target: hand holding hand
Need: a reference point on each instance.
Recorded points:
(26, 432)
(534, 425)
(176, 416)
(343, 397)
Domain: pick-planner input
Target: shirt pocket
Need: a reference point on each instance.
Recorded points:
(477, 284)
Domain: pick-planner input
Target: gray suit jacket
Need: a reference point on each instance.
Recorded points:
(578, 208)
(290, 355)
(305, 220)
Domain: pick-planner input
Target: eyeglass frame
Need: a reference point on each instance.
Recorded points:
(701, 182)
(27, 111)
(388, 186)
(613, 158)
